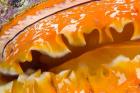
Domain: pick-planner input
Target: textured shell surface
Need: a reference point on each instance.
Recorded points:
(98, 31)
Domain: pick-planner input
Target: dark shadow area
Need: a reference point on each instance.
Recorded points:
(125, 35)
(45, 62)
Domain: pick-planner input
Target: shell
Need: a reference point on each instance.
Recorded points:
(42, 26)
(52, 28)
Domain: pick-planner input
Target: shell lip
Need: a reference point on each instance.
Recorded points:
(2, 54)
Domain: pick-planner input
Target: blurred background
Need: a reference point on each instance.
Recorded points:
(9, 8)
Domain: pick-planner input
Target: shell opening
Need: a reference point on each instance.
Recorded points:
(46, 62)
(93, 41)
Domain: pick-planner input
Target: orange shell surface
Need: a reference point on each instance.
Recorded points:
(43, 27)
(45, 34)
